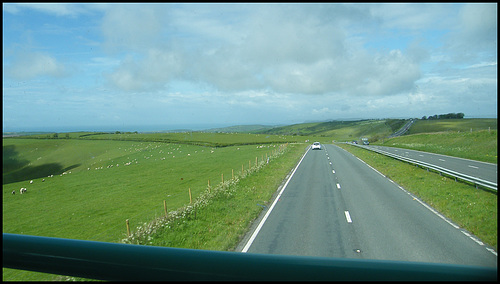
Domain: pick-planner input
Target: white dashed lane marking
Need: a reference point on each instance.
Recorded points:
(348, 216)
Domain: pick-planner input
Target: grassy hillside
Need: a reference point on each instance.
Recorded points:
(453, 125)
(474, 139)
(478, 145)
(376, 130)
(241, 129)
(341, 130)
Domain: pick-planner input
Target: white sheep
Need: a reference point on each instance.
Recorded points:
(22, 190)
(31, 181)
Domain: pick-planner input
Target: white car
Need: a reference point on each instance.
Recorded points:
(316, 145)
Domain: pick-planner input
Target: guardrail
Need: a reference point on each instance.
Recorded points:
(113, 261)
(476, 181)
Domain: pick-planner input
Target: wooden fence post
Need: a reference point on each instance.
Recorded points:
(190, 199)
(222, 177)
(165, 207)
(128, 228)
(209, 186)
(232, 173)
(242, 169)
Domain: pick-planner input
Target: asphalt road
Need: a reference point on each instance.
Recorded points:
(482, 170)
(335, 205)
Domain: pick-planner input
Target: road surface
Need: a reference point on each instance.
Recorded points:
(335, 205)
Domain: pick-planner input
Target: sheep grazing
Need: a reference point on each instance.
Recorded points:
(22, 190)
(31, 181)
(14, 192)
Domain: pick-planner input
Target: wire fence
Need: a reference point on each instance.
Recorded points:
(146, 221)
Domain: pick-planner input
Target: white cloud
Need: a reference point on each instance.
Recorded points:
(475, 35)
(29, 65)
(58, 9)
(479, 22)
(152, 72)
(280, 48)
(132, 27)
(413, 17)
(321, 111)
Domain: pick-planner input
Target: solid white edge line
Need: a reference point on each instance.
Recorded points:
(254, 235)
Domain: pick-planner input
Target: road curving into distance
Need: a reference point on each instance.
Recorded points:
(335, 205)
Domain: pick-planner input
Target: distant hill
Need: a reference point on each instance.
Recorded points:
(22, 133)
(375, 129)
(341, 130)
(241, 129)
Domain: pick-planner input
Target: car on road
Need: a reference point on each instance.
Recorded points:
(316, 145)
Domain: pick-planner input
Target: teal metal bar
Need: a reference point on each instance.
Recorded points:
(112, 261)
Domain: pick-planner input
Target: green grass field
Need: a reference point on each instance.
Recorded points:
(190, 138)
(96, 185)
(100, 180)
(86, 189)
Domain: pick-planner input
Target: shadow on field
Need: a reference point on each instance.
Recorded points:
(16, 169)
(11, 160)
(30, 172)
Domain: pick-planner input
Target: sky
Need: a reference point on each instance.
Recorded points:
(147, 67)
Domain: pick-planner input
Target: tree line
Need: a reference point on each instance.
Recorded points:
(445, 116)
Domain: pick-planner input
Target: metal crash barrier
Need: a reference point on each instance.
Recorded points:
(471, 179)
(113, 261)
